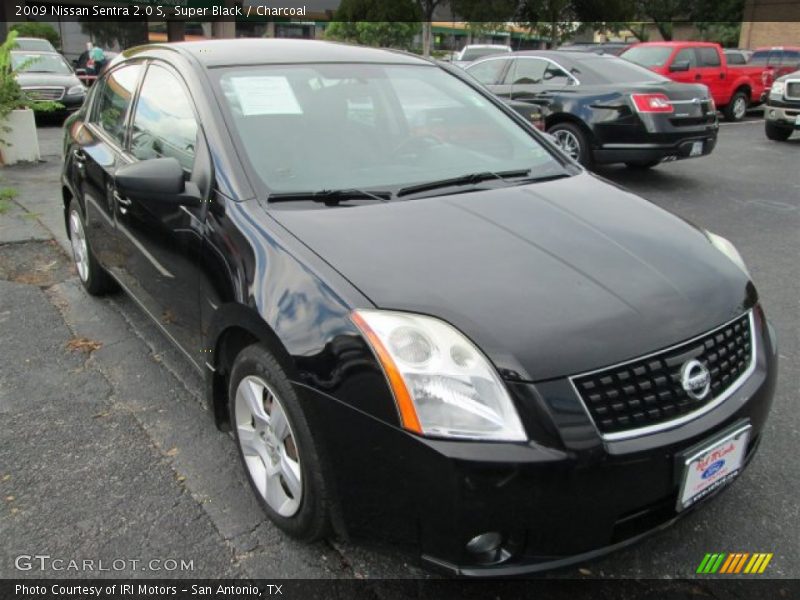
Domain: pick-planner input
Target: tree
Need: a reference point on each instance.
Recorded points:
(427, 8)
(552, 19)
(110, 33)
(385, 34)
(38, 30)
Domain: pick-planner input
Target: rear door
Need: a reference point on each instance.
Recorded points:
(160, 240)
(99, 155)
(712, 73)
(536, 80)
(492, 73)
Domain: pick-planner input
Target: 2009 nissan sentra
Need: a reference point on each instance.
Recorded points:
(420, 320)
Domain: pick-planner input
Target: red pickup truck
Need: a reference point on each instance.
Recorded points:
(733, 88)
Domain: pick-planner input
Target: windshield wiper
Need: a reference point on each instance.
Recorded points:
(470, 179)
(331, 197)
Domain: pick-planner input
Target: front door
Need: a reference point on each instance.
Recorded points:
(161, 240)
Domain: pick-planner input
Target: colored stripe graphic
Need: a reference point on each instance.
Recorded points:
(729, 564)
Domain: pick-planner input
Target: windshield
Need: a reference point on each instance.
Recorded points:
(39, 63)
(35, 45)
(371, 127)
(648, 56)
(607, 69)
(476, 53)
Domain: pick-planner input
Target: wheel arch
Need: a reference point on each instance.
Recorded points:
(234, 328)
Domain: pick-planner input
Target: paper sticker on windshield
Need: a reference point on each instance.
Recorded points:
(266, 95)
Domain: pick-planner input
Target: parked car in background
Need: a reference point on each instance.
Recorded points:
(734, 88)
(428, 325)
(30, 44)
(603, 109)
(474, 52)
(86, 69)
(48, 76)
(737, 56)
(615, 48)
(777, 60)
(782, 110)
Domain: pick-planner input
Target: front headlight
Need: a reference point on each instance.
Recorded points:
(777, 89)
(728, 249)
(443, 384)
(76, 90)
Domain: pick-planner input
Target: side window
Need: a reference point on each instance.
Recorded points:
(554, 75)
(790, 57)
(113, 99)
(735, 58)
(528, 71)
(686, 55)
(164, 124)
(709, 57)
(488, 72)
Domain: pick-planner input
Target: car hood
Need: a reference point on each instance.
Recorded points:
(549, 279)
(47, 79)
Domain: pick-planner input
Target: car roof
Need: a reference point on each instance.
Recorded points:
(487, 46)
(676, 43)
(42, 52)
(263, 51)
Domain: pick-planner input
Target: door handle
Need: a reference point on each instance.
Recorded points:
(79, 155)
(123, 202)
(698, 77)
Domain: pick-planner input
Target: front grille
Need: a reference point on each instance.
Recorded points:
(792, 90)
(647, 392)
(45, 93)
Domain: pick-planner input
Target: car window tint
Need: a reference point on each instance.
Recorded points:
(686, 55)
(529, 71)
(735, 58)
(790, 57)
(760, 57)
(648, 56)
(554, 75)
(111, 105)
(488, 72)
(164, 124)
(709, 57)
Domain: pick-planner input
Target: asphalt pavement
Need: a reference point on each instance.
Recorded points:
(107, 453)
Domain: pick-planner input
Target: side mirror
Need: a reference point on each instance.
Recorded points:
(679, 66)
(160, 179)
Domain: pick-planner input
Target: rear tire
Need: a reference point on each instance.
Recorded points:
(94, 277)
(574, 142)
(736, 109)
(276, 446)
(776, 133)
(643, 165)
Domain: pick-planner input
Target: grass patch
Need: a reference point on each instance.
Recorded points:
(6, 196)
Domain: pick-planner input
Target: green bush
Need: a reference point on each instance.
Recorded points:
(38, 30)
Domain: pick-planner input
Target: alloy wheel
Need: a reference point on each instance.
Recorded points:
(739, 107)
(568, 142)
(80, 250)
(268, 445)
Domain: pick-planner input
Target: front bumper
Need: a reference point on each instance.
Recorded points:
(784, 114)
(564, 497)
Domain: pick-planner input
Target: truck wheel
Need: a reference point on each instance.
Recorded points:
(737, 107)
(776, 133)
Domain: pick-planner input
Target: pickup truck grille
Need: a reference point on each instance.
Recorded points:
(45, 93)
(792, 90)
(648, 392)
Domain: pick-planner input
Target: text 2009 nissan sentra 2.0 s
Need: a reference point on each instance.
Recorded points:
(420, 320)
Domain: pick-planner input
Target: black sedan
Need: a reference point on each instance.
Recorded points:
(48, 76)
(602, 109)
(420, 319)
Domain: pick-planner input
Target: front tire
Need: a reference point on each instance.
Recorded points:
(776, 133)
(276, 446)
(94, 277)
(573, 141)
(736, 109)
